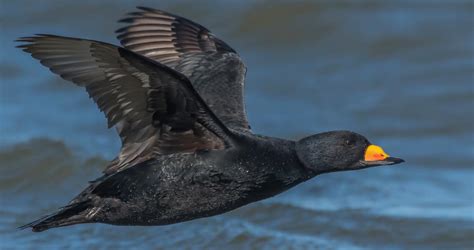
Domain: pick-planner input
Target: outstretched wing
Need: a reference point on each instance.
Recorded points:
(213, 67)
(154, 108)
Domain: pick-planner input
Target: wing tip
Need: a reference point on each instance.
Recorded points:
(121, 30)
(126, 20)
(147, 9)
(27, 41)
(131, 16)
(33, 37)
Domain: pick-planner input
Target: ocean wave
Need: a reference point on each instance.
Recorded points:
(43, 163)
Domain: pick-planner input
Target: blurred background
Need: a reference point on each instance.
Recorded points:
(398, 72)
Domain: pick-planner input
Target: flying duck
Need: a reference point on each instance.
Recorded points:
(174, 93)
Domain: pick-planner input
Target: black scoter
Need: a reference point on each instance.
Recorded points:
(174, 93)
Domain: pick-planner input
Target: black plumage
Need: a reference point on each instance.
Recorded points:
(175, 95)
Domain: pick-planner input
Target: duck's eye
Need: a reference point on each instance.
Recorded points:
(350, 142)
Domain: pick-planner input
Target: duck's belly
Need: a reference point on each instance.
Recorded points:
(171, 190)
(176, 188)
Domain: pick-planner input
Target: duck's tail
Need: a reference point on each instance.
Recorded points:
(71, 214)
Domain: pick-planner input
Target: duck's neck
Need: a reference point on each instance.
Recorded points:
(277, 164)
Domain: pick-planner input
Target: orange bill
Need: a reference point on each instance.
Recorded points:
(375, 153)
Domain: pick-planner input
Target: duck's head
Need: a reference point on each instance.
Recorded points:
(341, 150)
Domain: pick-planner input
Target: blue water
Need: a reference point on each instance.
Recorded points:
(400, 73)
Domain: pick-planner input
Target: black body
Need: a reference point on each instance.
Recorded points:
(174, 93)
(182, 187)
